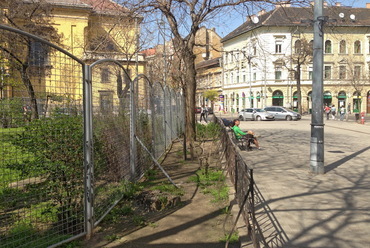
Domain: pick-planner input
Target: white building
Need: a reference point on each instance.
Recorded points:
(258, 67)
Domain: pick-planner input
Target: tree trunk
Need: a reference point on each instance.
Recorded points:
(190, 101)
(299, 93)
(31, 92)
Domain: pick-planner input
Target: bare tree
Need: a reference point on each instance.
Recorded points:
(185, 19)
(32, 16)
(302, 54)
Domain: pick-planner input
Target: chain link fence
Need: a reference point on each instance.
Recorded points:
(69, 138)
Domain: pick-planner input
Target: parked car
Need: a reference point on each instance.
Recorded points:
(255, 114)
(198, 110)
(281, 113)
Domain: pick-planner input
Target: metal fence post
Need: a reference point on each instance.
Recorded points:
(132, 131)
(164, 118)
(88, 150)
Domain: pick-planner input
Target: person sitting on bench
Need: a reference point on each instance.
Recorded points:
(249, 136)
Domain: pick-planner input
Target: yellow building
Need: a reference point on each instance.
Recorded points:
(90, 30)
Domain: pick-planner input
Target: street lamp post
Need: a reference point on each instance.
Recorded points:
(249, 58)
(317, 125)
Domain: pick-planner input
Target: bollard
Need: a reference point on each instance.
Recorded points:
(362, 117)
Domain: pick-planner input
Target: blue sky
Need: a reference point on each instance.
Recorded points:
(233, 19)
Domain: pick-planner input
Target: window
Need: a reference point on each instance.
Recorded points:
(357, 47)
(327, 72)
(231, 78)
(38, 54)
(254, 50)
(104, 75)
(328, 46)
(357, 72)
(278, 46)
(310, 69)
(106, 102)
(254, 76)
(278, 71)
(297, 46)
(231, 57)
(342, 47)
(342, 72)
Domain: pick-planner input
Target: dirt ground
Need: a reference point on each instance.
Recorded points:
(195, 222)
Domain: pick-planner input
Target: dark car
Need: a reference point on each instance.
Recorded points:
(281, 113)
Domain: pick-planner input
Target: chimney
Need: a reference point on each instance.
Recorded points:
(368, 5)
(261, 12)
(338, 4)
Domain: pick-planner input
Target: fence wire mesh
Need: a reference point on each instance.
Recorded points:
(41, 135)
(47, 107)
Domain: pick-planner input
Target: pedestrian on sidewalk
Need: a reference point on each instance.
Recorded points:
(203, 114)
(342, 112)
(327, 111)
(333, 111)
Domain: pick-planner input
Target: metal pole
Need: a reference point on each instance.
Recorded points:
(317, 125)
(250, 81)
(88, 150)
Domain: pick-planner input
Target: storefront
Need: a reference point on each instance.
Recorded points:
(277, 98)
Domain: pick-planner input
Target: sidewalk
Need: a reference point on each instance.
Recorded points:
(196, 223)
(299, 209)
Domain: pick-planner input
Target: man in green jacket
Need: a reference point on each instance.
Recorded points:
(239, 134)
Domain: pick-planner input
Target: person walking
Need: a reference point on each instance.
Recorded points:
(342, 112)
(203, 114)
(327, 111)
(333, 111)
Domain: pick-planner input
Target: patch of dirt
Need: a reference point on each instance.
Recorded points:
(166, 221)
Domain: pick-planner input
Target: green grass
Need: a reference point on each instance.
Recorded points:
(234, 238)
(168, 188)
(212, 183)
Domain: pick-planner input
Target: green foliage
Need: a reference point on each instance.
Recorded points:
(211, 95)
(58, 160)
(138, 220)
(111, 237)
(169, 188)
(212, 183)
(211, 131)
(234, 238)
(12, 114)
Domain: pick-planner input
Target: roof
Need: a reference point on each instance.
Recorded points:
(105, 6)
(293, 16)
(69, 3)
(208, 63)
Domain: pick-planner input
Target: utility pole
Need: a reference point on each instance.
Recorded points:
(317, 124)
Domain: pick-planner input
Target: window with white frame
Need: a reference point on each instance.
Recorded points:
(342, 47)
(231, 78)
(357, 72)
(278, 71)
(278, 46)
(310, 70)
(357, 47)
(327, 72)
(342, 72)
(328, 48)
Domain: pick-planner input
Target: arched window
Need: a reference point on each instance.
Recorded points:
(328, 46)
(297, 46)
(277, 98)
(357, 47)
(342, 47)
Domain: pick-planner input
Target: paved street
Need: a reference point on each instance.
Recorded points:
(299, 209)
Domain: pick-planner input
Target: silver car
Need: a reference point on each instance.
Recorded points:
(255, 114)
(281, 113)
